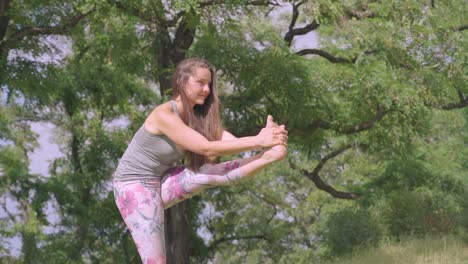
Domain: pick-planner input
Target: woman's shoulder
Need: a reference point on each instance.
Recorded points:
(158, 116)
(167, 109)
(164, 107)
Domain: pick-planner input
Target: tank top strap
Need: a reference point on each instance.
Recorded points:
(174, 108)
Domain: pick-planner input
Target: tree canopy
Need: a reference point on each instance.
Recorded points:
(376, 113)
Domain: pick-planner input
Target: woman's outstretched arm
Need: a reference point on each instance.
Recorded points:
(174, 128)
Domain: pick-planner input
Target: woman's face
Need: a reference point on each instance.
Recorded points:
(197, 87)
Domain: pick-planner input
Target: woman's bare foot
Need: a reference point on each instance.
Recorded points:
(275, 153)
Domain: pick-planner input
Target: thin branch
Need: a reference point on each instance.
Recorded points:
(451, 106)
(365, 125)
(288, 37)
(292, 32)
(360, 14)
(330, 57)
(461, 28)
(254, 3)
(330, 156)
(295, 15)
(173, 21)
(461, 95)
(326, 55)
(226, 239)
(211, 2)
(320, 184)
(134, 11)
(350, 129)
(273, 6)
(329, 189)
(158, 19)
(272, 204)
(305, 236)
(60, 29)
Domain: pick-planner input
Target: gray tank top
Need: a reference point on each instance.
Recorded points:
(148, 156)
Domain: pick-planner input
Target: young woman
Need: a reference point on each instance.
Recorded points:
(148, 178)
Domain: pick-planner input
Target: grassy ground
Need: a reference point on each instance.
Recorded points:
(445, 250)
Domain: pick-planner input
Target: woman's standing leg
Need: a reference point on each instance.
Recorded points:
(142, 209)
(181, 183)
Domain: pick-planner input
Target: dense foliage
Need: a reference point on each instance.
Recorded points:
(377, 115)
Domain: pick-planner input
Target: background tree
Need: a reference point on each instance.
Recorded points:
(21, 36)
(364, 109)
(370, 88)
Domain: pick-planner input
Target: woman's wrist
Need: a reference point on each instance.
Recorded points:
(257, 142)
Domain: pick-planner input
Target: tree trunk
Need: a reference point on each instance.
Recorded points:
(177, 224)
(176, 220)
(81, 231)
(28, 248)
(177, 232)
(4, 21)
(163, 60)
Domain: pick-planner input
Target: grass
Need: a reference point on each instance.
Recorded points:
(431, 250)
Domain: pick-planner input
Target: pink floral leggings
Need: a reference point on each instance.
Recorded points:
(141, 203)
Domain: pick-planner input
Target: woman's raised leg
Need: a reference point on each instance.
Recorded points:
(181, 183)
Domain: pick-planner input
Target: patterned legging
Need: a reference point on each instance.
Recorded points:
(142, 203)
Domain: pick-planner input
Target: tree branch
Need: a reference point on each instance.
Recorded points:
(273, 6)
(173, 21)
(295, 15)
(365, 125)
(461, 28)
(350, 129)
(4, 19)
(360, 14)
(60, 29)
(184, 36)
(288, 37)
(292, 32)
(330, 57)
(157, 19)
(320, 184)
(134, 11)
(272, 204)
(226, 239)
(326, 55)
(254, 3)
(450, 106)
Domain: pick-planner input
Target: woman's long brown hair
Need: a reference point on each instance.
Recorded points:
(205, 118)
